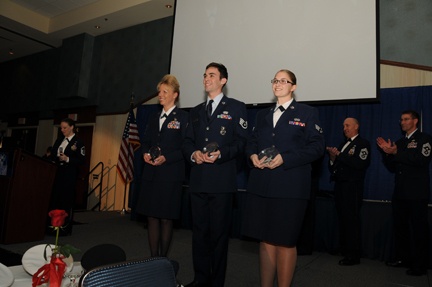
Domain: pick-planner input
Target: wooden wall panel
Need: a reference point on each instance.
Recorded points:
(106, 144)
(398, 77)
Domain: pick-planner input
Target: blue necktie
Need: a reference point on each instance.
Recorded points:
(209, 109)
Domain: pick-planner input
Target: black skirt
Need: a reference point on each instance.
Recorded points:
(160, 199)
(276, 221)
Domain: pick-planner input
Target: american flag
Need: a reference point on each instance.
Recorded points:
(130, 143)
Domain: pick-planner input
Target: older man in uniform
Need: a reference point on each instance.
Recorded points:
(348, 166)
(215, 139)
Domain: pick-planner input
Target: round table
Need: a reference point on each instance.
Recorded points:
(24, 279)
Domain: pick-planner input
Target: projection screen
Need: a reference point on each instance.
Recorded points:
(331, 46)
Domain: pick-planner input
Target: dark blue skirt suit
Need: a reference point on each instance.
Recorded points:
(277, 198)
(63, 194)
(161, 191)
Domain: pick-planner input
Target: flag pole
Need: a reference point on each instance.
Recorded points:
(124, 211)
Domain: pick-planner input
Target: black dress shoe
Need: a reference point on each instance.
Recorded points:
(397, 263)
(416, 272)
(347, 261)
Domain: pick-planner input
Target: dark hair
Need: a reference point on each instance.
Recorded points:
(291, 75)
(221, 68)
(69, 121)
(413, 114)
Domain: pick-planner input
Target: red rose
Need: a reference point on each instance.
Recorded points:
(57, 217)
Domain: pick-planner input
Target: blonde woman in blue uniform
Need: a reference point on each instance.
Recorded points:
(279, 186)
(164, 171)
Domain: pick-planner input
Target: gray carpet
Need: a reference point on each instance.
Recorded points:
(318, 269)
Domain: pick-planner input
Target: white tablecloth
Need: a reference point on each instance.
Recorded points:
(6, 276)
(23, 279)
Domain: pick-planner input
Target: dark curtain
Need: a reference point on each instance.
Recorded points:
(376, 119)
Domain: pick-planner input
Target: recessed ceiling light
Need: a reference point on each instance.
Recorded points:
(97, 27)
(168, 6)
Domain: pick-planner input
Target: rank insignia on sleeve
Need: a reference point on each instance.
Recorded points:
(243, 123)
(364, 153)
(318, 128)
(426, 149)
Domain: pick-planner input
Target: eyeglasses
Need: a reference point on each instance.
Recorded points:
(281, 81)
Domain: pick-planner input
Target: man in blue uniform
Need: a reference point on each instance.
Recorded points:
(410, 159)
(348, 166)
(215, 139)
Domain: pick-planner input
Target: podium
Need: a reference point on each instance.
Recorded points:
(26, 182)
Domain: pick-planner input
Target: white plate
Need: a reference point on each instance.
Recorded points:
(6, 277)
(33, 259)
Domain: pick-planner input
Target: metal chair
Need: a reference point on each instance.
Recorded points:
(152, 272)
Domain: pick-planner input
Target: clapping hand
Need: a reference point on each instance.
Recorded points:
(333, 152)
(388, 146)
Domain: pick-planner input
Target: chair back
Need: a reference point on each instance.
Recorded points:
(101, 255)
(152, 272)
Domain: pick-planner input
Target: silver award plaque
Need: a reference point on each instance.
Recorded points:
(269, 153)
(154, 152)
(211, 147)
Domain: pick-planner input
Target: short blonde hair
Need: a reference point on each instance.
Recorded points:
(171, 81)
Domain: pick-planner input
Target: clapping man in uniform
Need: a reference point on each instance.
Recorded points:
(215, 139)
(348, 166)
(410, 159)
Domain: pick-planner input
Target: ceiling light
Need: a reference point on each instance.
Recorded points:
(11, 52)
(97, 26)
(168, 6)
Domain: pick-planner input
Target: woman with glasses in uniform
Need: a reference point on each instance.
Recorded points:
(286, 139)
